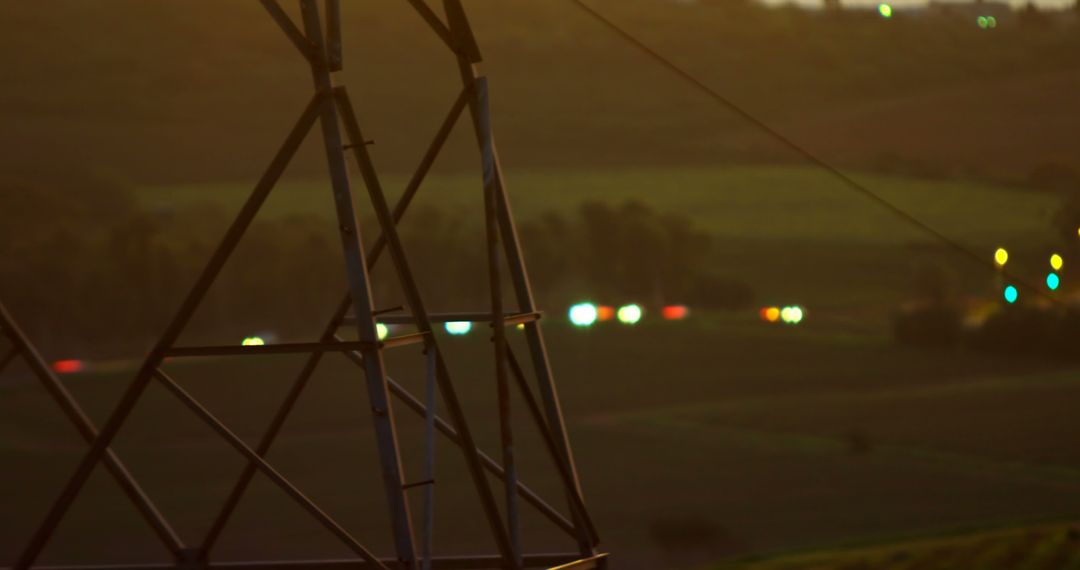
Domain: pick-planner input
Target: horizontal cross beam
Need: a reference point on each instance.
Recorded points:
(509, 319)
(292, 348)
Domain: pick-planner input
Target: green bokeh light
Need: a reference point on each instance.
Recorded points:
(458, 328)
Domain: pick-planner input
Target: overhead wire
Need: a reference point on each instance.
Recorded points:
(802, 151)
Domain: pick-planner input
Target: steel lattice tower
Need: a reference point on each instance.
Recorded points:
(318, 38)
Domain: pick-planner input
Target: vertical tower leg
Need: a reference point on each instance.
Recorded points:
(537, 347)
(360, 292)
(429, 460)
(467, 56)
(498, 339)
(423, 324)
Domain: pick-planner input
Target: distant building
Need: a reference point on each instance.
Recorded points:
(997, 9)
(984, 13)
(969, 10)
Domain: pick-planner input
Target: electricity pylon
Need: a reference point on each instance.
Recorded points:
(319, 41)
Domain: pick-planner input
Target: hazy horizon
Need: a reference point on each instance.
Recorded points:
(1053, 4)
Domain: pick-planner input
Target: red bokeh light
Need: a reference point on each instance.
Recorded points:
(674, 312)
(68, 366)
(605, 313)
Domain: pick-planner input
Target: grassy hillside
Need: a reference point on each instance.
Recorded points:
(182, 91)
(737, 202)
(1050, 547)
(674, 426)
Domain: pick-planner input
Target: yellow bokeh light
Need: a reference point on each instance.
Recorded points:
(796, 315)
(1001, 257)
(629, 314)
(792, 315)
(1056, 262)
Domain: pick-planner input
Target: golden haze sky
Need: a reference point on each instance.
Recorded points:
(915, 3)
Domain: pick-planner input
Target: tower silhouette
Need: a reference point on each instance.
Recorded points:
(318, 38)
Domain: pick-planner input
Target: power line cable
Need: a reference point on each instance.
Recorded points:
(800, 150)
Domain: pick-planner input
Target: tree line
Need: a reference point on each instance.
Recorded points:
(87, 269)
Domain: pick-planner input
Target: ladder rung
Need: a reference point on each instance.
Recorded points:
(408, 486)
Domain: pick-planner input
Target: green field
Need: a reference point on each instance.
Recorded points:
(772, 439)
(737, 202)
(1049, 547)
